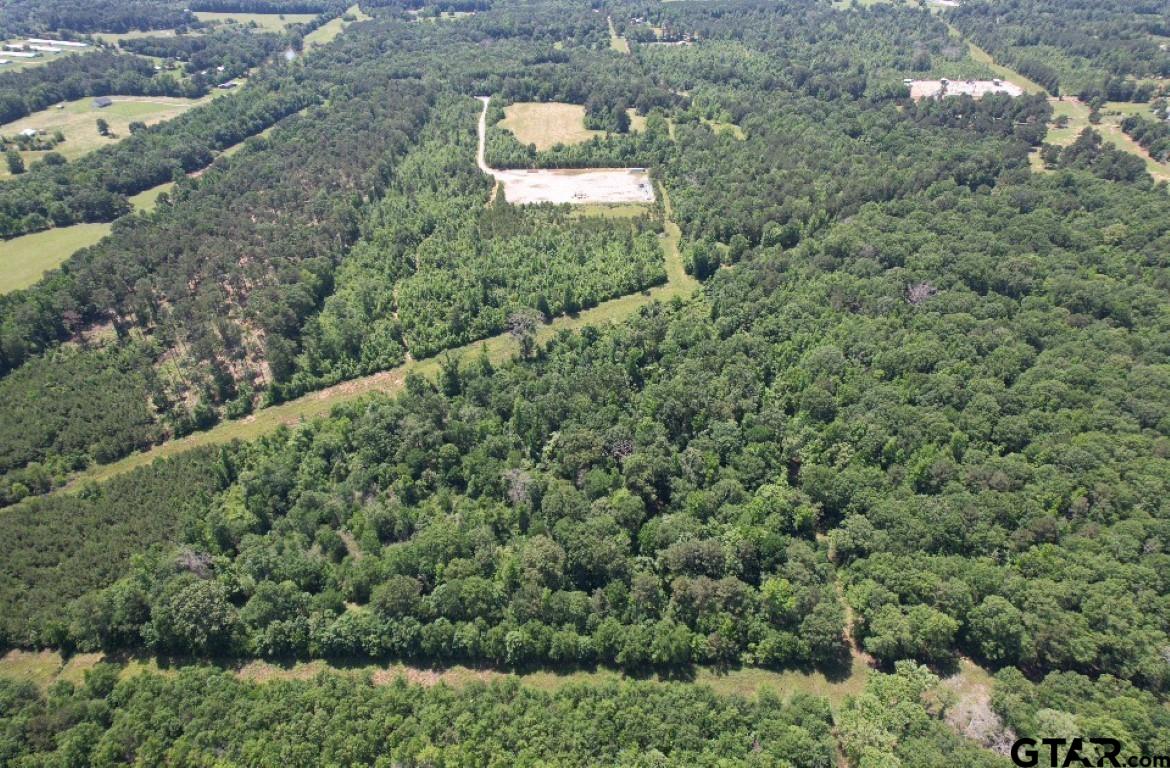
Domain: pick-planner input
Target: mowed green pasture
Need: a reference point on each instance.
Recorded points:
(328, 32)
(269, 22)
(24, 259)
(546, 124)
(77, 121)
(145, 201)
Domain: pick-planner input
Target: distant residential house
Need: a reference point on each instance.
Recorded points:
(228, 85)
(101, 102)
(29, 133)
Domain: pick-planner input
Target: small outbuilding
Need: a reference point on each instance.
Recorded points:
(101, 102)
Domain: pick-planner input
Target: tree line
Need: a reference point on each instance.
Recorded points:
(1089, 49)
(100, 73)
(205, 715)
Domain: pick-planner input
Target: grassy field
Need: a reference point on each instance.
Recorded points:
(328, 32)
(547, 124)
(1077, 113)
(145, 201)
(731, 128)
(24, 259)
(77, 120)
(43, 668)
(269, 22)
(1113, 113)
(609, 210)
(616, 41)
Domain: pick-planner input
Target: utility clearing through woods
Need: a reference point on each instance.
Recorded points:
(577, 186)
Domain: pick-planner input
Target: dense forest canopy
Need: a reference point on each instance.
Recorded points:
(909, 435)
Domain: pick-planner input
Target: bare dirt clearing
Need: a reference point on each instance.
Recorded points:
(593, 185)
(608, 185)
(976, 89)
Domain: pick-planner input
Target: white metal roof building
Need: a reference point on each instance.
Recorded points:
(69, 43)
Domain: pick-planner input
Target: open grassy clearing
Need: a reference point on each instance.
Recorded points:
(43, 668)
(145, 201)
(269, 22)
(1126, 108)
(546, 124)
(37, 667)
(747, 682)
(969, 687)
(24, 259)
(77, 120)
(328, 32)
(731, 128)
(1111, 131)
(609, 211)
(616, 41)
(1077, 114)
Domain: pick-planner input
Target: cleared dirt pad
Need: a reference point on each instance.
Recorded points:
(977, 89)
(579, 186)
(617, 185)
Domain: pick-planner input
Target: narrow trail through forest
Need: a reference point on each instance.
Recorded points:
(499, 348)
